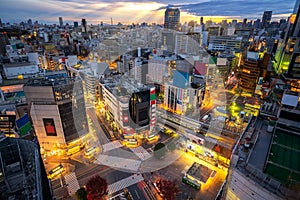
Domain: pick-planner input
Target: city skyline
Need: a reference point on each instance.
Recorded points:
(143, 11)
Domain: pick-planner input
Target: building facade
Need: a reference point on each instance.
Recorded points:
(130, 107)
(172, 18)
(57, 110)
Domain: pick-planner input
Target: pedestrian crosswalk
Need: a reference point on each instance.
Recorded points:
(142, 153)
(111, 145)
(72, 183)
(119, 185)
(118, 162)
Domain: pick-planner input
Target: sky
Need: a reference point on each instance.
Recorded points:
(131, 11)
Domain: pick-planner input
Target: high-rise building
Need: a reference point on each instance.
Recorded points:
(297, 4)
(234, 22)
(61, 23)
(266, 19)
(172, 18)
(29, 22)
(57, 110)
(157, 69)
(289, 44)
(22, 173)
(249, 75)
(83, 24)
(245, 22)
(75, 24)
(257, 24)
(188, 44)
(3, 42)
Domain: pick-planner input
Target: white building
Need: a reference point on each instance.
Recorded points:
(20, 70)
(181, 100)
(222, 43)
(157, 69)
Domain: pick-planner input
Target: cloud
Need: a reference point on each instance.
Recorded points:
(236, 8)
(127, 11)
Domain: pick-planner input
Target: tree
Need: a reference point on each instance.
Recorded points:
(172, 146)
(81, 194)
(168, 189)
(96, 188)
(159, 150)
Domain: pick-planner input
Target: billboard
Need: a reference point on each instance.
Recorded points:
(24, 125)
(181, 79)
(49, 126)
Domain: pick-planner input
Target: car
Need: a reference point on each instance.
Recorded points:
(205, 118)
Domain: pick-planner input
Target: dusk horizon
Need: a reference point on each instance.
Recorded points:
(144, 11)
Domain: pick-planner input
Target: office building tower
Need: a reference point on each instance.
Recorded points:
(249, 75)
(257, 24)
(297, 4)
(289, 44)
(266, 19)
(29, 22)
(3, 42)
(22, 173)
(61, 23)
(234, 22)
(75, 24)
(245, 22)
(172, 18)
(83, 24)
(57, 110)
(188, 44)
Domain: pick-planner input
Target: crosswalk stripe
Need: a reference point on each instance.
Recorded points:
(142, 153)
(111, 145)
(72, 183)
(126, 182)
(118, 162)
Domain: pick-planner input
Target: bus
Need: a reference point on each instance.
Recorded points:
(191, 183)
(73, 150)
(133, 142)
(56, 171)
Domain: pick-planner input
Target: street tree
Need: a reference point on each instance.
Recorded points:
(159, 150)
(96, 188)
(168, 188)
(81, 194)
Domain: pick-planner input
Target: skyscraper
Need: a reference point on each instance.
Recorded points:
(75, 24)
(61, 23)
(289, 44)
(266, 19)
(3, 42)
(29, 22)
(83, 24)
(172, 18)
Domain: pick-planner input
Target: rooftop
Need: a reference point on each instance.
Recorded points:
(19, 168)
(284, 160)
(199, 172)
(17, 64)
(49, 81)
